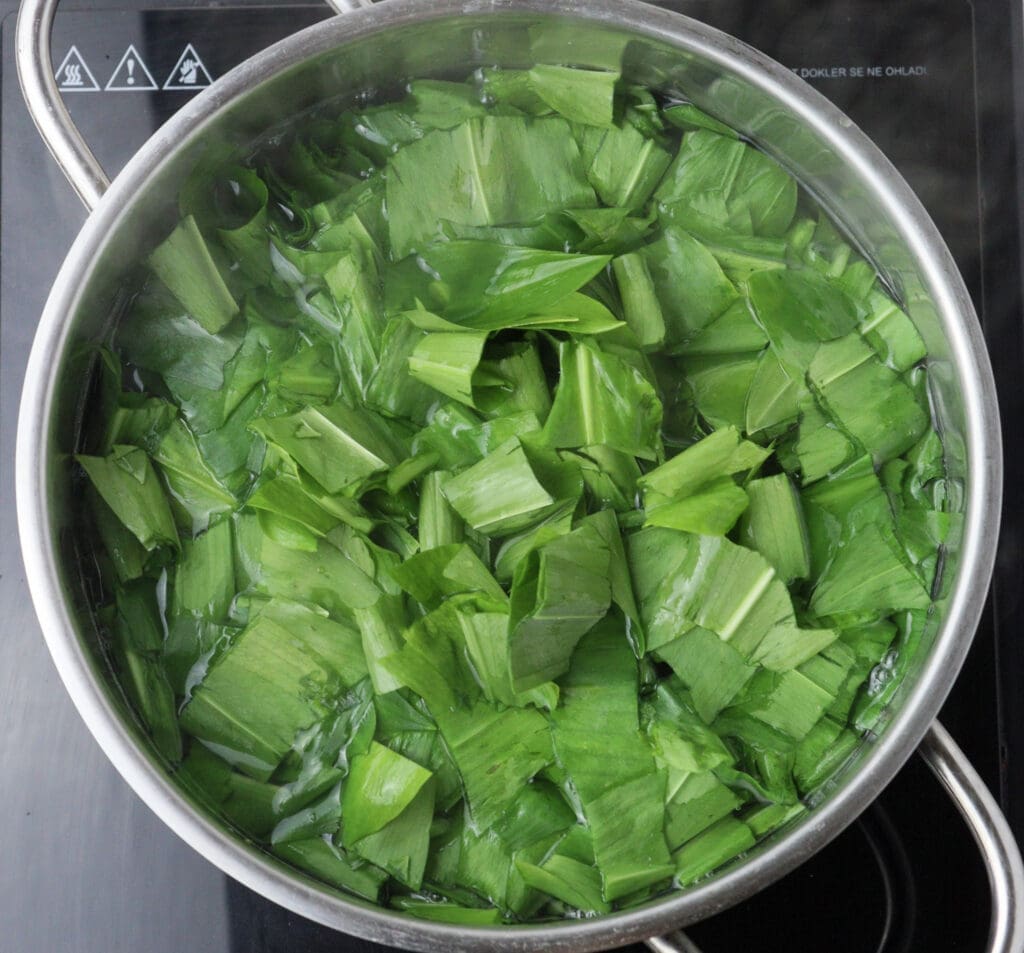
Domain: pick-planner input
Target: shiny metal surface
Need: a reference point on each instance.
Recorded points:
(347, 6)
(376, 47)
(677, 942)
(998, 847)
(35, 71)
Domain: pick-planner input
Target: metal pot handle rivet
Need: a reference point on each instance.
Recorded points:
(989, 828)
(980, 811)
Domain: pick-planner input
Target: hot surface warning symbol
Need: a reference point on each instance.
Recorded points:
(131, 74)
(189, 72)
(73, 76)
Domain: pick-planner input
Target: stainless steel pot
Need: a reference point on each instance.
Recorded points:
(375, 47)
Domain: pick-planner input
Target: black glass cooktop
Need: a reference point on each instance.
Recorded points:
(85, 867)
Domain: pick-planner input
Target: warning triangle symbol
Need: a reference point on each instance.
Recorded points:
(74, 76)
(131, 75)
(189, 72)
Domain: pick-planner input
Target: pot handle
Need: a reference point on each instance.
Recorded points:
(45, 105)
(39, 87)
(992, 833)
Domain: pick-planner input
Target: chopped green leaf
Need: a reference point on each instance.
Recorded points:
(639, 299)
(866, 399)
(326, 861)
(712, 669)
(753, 186)
(868, 574)
(598, 741)
(602, 400)
(129, 486)
(690, 284)
(522, 499)
(710, 849)
(470, 175)
(192, 485)
(693, 491)
(431, 576)
(799, 310)
(559, 592)
(278, 677)
(580, 95)
(336, 445)
(486, 286)
(774, 526)
(184, 264)
(496, 753)
(625, 166)
(381, 786)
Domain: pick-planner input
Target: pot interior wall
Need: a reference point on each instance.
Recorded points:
(438, 44)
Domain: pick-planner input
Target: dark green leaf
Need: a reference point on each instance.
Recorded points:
(279, 676)
(866, 399)
(559, 592)
(799, 310)
(625, 166)
(487, 286)
(501, 493)
(496, 754)
(130, 487)
(774, 526)
(184, 264)
(471, 175)
(690, 284)
(579, 95)
(602, 400)
(335, 444)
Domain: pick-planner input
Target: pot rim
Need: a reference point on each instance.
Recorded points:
(294, 890)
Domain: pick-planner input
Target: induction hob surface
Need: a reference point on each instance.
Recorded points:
(86, 867)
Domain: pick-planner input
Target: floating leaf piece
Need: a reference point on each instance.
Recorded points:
(471, 175)
(278, 677)
(694, 490)
(559, 592)
(602, 400)
(496, 754)
(690, 284)
(501, 493)
(596, 733)
(774, 526)
(866, 399)
(130, 487)
(184, 264)
(336, 445)
(486, 286)
(581, 95)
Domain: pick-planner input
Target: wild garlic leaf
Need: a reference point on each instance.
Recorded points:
(471, 175)
(602, 400)
(184, 264)
(128, 484)
(559, 592)
(487, 286)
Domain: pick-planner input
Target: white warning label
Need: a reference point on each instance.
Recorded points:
(189, 72)
(131, 74)
(74, 76)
